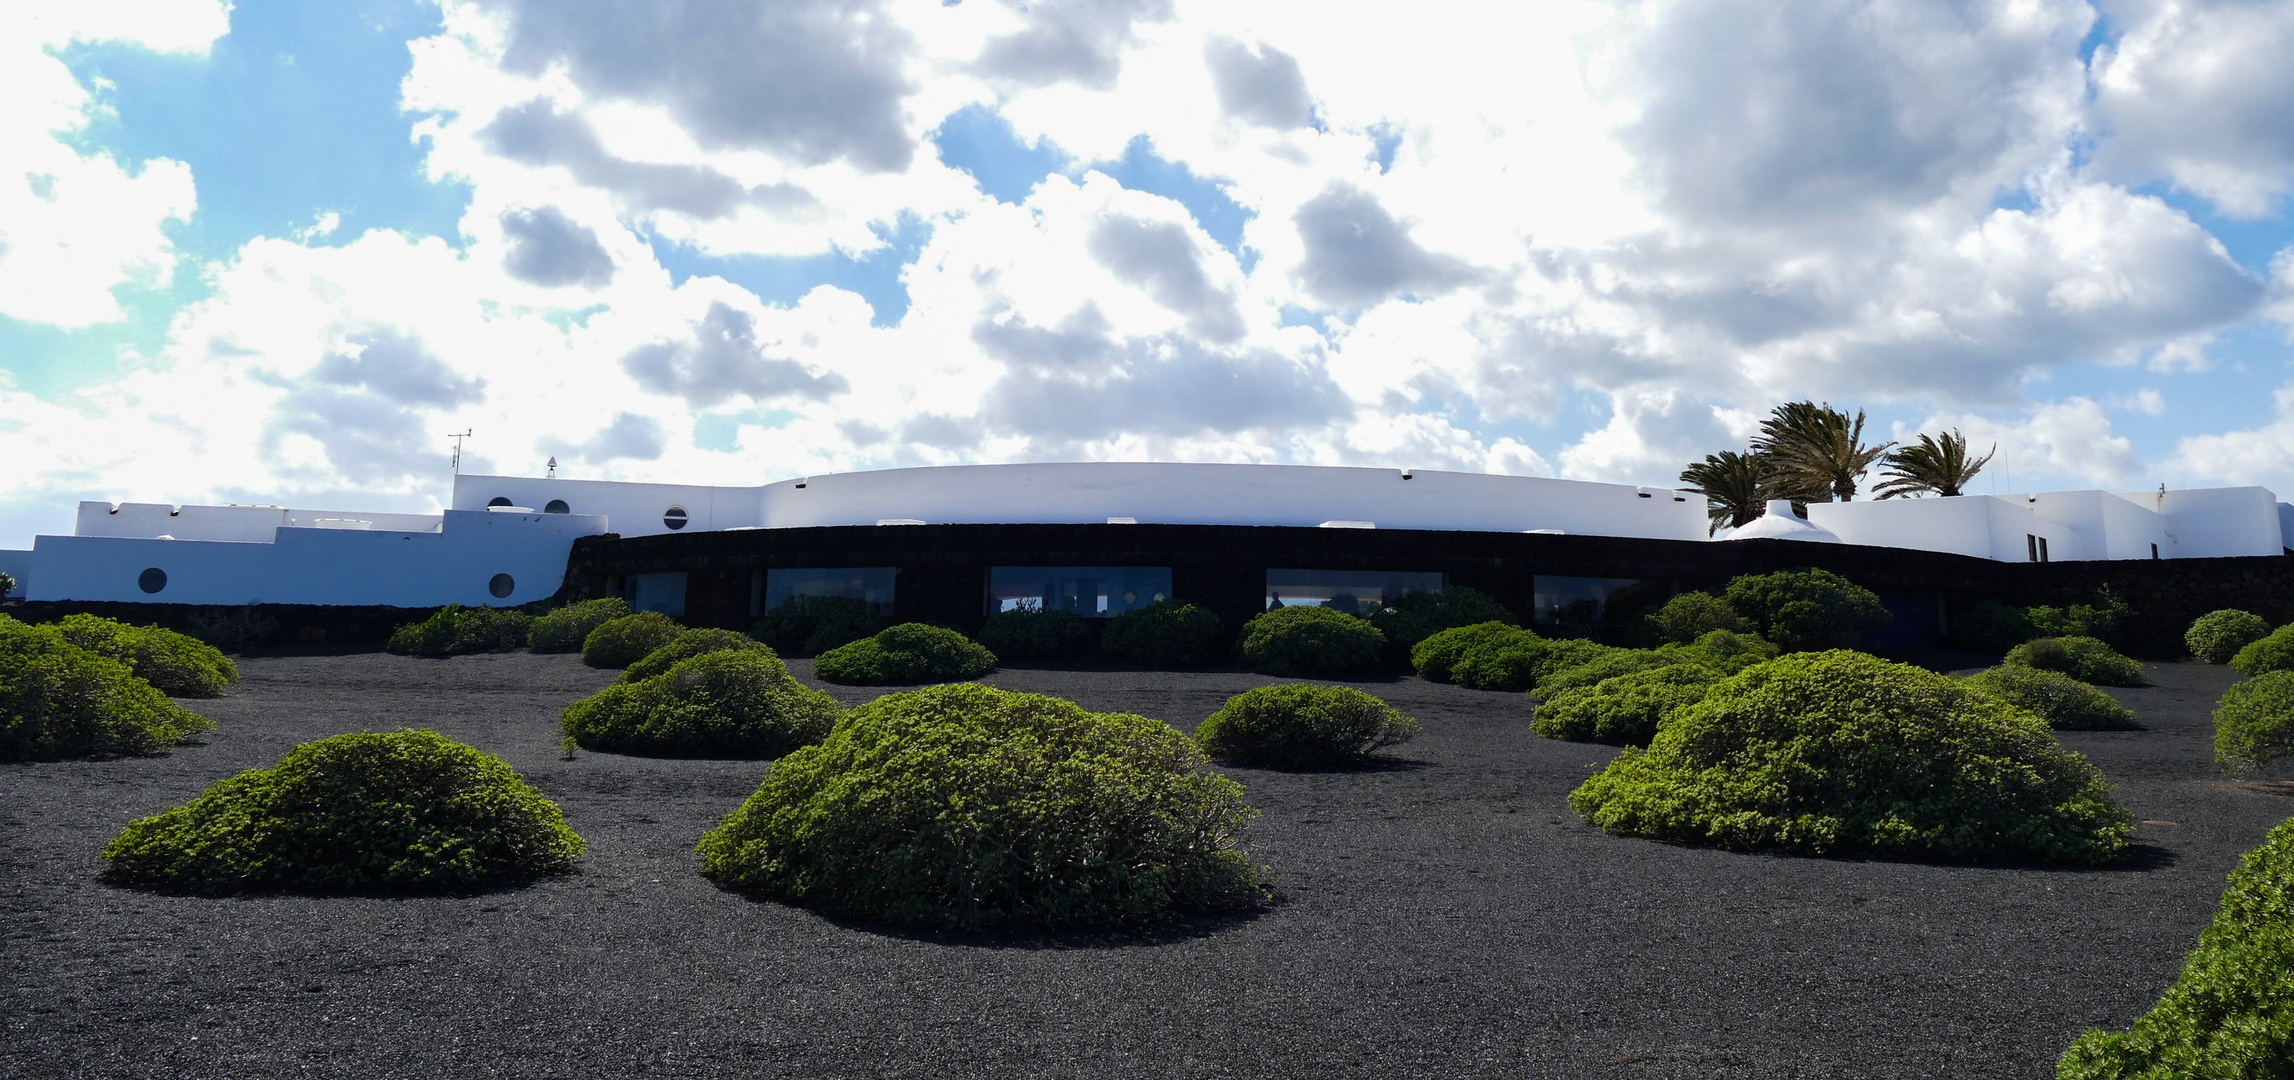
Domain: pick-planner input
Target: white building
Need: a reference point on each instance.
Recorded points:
(505, 540)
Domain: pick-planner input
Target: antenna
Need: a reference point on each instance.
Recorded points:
(458, 449)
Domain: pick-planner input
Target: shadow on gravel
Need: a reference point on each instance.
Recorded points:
(1374, 765)
(1192, 928)
(507, 888)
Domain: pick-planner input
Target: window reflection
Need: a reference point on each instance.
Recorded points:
(1089, 591)
(1356, 592)
(869, 584)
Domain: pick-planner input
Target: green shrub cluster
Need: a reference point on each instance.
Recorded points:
(2254, 721)
(58, 700)
(737, 702)
(2217, 636)
(2272, 652)
(2106, 619)
(1308, 640)
(1991, 627)
(2064, 702)
(1303, 726)
(1806, 609)
(811, 625)
(1437, 657)
(1166, 633)
(618, 643)
(565, 629)
(1623, 710)
(177, 664)
(970, 808)
(1035, 631)
(1415, 616)
(907, 653)
(2083, 658)
(687, 645)
(1842, 753)
(2231, 1013)
(1726, 652)
(455, 630)
(403, 811)
(1690, 616)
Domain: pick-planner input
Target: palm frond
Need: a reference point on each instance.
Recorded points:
(1933, 466)
(1818, 452)
(1735, 486)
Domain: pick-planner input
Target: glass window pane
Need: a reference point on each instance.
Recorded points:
(872, 584)
(1583, 601)
(664, 593)
(1096, 592)
(1356, 592)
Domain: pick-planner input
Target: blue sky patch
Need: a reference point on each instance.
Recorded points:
(784, 279)
(721, 432)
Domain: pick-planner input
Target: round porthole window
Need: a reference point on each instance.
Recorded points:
(502, 586)
(151, 580)
(674, 517)
(500, 500)
(557, 506)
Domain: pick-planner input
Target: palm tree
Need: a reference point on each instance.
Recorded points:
(1939, 466)
(1817, 450)
(1735, 487)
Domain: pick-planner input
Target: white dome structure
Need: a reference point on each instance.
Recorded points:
(1780, 523)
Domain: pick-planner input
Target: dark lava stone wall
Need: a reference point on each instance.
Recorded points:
(2166, 594)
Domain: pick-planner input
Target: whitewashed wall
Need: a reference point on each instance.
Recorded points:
(629, 509)
(1979, 526)
(307, 565)
(1093, 492)
(239, 524)
(2212, 523)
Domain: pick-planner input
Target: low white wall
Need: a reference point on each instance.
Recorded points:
(234, 524)
(1979, 526)
(308, 565)
(2214, 523)
(1165, 493)
(630, 509)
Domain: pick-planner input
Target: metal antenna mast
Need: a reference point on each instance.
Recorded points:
(458, 449)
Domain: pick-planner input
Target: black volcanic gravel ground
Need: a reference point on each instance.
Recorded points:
(1447, 917)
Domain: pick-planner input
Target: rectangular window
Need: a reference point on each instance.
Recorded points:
(2154, 551)
(2031, 546)
(1356, 592)
(1583, 601)
(2043, 549)
(870, 584)
(664, 593)
(1094, 592)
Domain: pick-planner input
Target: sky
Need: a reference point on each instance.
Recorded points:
(282, 252)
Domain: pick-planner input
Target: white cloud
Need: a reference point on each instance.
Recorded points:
(1680, 213)
(2196, 92)
(74, 226)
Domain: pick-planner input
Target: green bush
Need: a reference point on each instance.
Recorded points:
(811, 625)
(1692, 615)
(1436, 658)
(2254, 721)
(401, 811)
(1166, 633)
(1522, 665)
(1307, 640)
(177, 664)
(1622, 710)
(739, 702)
(455, 630)
(1729, 651)
(2082, 658)
(1034, 631)
(2272, 652)
(618, 643)
(1806, 609)
(7, 584)
(2103, 620)
(2217, 636)
(58, 700)
(1302, 726)
(687, 645)
(1596, 666)
(1415, 616)
(2064, 702)
(907, 653)
(1991, 627)
(970, 808)
(565, 629)
(1842, 753)
(2231, 1013)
